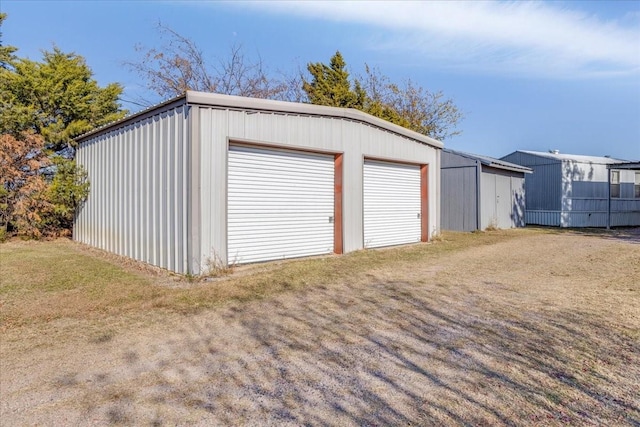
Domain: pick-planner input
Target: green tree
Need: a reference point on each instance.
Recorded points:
(56, 98)
(43, 106)
(407, 105)
(330, 85)
(6, 52)
(67, 191)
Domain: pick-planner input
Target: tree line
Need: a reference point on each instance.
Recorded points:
(45, 104)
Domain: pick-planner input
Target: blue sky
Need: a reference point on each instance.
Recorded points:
(534, 76)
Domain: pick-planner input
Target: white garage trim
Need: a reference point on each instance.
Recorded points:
(393, 208)
(280, 204)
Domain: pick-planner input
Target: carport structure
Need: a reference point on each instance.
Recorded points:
(626, 166)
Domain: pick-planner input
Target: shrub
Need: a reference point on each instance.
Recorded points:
(31, 204)
(67, 191)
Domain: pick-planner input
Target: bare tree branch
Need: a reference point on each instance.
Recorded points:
(179, 65)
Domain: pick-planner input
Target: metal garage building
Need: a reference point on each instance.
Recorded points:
(568, 190)
(241, 180)
(480, 191)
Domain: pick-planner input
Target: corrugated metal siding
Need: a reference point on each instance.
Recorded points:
(586, 197)
(488, 216)
(162, 198)
(391, 204)
(621, 219)
(625, 211)
(502, 198)
(543, 187)
(280, 204)
(459, 194)
(583, 193)
(459, 198)
(518, 197)
(333, 135)
(137, 206)
(454, 160)
(582, 219)
(539, 217)
(502, 195)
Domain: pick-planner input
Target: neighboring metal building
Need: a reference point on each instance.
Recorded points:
(480, 192)
(207, 177)
(568, 190)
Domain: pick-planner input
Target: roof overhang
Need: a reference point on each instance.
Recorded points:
(625, 165)
(491, 162)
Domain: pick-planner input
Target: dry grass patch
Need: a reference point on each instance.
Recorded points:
(523, 327)
(45, 281)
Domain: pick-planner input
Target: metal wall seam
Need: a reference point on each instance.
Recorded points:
(194, 199)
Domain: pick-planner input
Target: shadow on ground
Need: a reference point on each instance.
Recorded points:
(381, 353)
(622, 234)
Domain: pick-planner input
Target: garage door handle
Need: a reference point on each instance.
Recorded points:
(418, 215)
(330, 220)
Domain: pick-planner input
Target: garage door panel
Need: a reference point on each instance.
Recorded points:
(392, 204)
(250, 176)
(279, 204)
(282, 196)
(266, 229)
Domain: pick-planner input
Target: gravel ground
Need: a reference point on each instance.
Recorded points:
(541, 330)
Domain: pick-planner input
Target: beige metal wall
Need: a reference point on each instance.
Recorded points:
(217, 126)
(159, 178)
(138, 201)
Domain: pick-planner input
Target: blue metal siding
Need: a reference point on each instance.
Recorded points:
(574, 193)
(543, 187)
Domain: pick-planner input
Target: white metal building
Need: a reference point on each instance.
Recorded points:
(568, 190)
(480, 192)
(240, 180)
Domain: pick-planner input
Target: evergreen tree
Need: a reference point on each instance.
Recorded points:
(43, 106)
(6, 52)
(330, 85)
(409, 106)
(56, 98)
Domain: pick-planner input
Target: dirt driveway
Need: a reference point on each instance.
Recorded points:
(541, 329)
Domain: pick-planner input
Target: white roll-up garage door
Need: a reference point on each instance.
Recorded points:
(391, 204)
(280, 204)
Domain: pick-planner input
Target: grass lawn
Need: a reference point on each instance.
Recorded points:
(522, 327)
(43, 281)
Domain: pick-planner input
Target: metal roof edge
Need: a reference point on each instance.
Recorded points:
(538, 154)
(244, 103)
(580, 158)
(178, 100)
(492, 162)
(624, 165)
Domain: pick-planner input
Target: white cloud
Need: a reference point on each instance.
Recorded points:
(525, 38)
